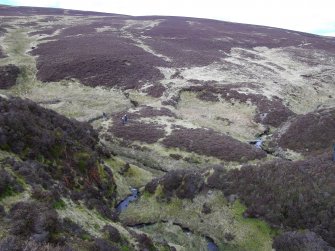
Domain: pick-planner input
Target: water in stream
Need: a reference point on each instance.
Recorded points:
(131, 198)
(211, 246)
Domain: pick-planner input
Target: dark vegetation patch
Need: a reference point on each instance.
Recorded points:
(311, 133)
(48, 31)
(186, 44)
(148, 111)
(99, 59)
(32, 11)
(62, 156)
(172, 101)
(8, 75)
(155, 90)
(88, 29)
(9, 184)
(308, 57)
(112, 233)
(103, 245)
(2, 211)
(36, 226)
(175, 156)
(85, 29)
(50, 183)
(185, 184)
(113, 241)
(36, 220)
(205, 41)
(34, 132)
(32, 224)
(14, 243)
(144, 242)
(136, 130)
(295, 195)
(29, 24)
(177, 75)
(211, 143)
(3, 31)
(50, 19)
(269, 112)
(300, 240)
(2, 55)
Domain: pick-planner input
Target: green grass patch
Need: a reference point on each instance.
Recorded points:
(86, 237)
(60, 204)
(8, 191)
(261, 232)
(82, 159)
(126, 177)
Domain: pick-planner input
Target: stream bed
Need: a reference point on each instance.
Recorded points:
(125, 203)
(211, 246)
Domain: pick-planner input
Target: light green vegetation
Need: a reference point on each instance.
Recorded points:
(127, 176)
(224, 219)
(74, 100)
(5, 154)
(60, 204)
(155, 157)
(276, 72)
(9, 201)
(143, 98)
(175, 236)
(260, 230)
(235, 120)
(90, 220)
(158, 157)
(188, 158)
(16, 45)
(10, 197)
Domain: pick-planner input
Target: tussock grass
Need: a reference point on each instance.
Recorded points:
(223, 219)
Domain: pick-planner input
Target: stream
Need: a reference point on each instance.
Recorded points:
(131, 198)
(257, 143)
(211, 246)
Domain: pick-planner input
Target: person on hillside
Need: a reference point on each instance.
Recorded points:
(124, 119)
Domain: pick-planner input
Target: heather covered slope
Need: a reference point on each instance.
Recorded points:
(197, 93)
(310, 134)
(56, 192)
